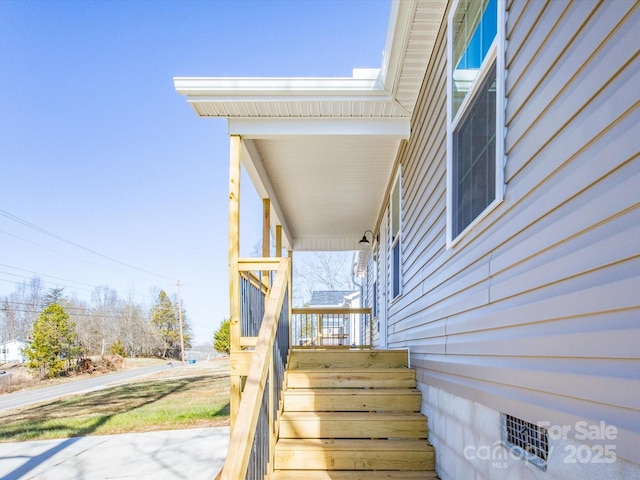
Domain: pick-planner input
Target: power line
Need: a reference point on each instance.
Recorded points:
(26, 223)
(42, 275)
(75, 288)
(64, 254)
(74, 291)
(84, 314)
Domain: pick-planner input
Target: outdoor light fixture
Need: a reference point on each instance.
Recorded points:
(364, 241)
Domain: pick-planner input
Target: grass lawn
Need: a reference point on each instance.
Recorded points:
(183, 397)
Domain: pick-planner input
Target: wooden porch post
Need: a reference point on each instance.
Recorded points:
(278, 240)
(290, 293)
(234, 275)
(266, 236)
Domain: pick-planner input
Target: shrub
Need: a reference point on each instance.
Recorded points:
(222, 338)
(117, 348)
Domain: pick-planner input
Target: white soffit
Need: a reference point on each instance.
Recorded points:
(414, 26)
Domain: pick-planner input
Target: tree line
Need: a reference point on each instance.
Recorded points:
(108, 323)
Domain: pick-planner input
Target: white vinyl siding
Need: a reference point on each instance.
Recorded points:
(535, 311)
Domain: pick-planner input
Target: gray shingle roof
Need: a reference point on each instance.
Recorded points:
(329, 297)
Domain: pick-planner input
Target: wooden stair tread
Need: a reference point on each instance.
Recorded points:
(352, 399)
(352, 415)
(298, 444)
(353, 391)
(319, 359)
(334, 370)
(353, 425)
(351, 475)
(357, 455)
(347, 416)
(352, 378)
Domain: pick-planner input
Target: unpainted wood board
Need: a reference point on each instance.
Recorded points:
(352, 400)
(352, 425)
(350, 475)
(354, 454)
(310, 359)
(352, 378)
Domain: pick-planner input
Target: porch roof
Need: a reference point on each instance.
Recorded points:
(323, 149)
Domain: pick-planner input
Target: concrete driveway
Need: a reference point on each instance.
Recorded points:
(195, 454)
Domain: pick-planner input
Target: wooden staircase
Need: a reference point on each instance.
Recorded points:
(352, 414)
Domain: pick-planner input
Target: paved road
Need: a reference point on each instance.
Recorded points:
(26, 397)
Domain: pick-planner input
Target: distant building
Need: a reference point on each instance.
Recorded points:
(12, 351)
(336, 327)
(335, 298)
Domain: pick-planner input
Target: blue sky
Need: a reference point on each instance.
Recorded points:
(98, 148)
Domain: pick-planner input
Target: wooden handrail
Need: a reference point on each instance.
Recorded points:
(323, 337)
(244, 429)
(258, 264)
(330, 311)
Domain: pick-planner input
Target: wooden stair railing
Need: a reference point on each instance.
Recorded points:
(251, 445)
(350, 415)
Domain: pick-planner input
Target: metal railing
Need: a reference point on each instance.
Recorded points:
(331, 327)
(254, 431)
(252, 298)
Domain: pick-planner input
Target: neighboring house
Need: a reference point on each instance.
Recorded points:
(336, 328)
(12, 351)
(335, 298)
(496, 157)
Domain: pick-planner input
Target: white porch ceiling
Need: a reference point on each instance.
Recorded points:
(323, 149)
(329, 188)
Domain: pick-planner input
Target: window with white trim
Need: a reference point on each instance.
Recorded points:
(474, 113)
(395, 222)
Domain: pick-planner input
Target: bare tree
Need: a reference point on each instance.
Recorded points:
(321, 271)
(22, 307)
(100, 323)
(9, 322)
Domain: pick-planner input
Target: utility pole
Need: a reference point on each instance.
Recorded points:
(180, 317)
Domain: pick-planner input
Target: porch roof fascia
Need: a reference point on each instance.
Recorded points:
(256, 88)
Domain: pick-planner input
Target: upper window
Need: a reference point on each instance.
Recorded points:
(396, 231)
(474, 171)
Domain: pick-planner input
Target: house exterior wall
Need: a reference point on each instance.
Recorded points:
(12, 351)
(466, 437)
(535, 312)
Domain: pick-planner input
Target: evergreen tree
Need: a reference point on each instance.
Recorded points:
(54, 295)
(165, 319)
(117, 348)
(53, 342)
(222, 338)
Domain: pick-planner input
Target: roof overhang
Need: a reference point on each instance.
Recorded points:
(323, 149)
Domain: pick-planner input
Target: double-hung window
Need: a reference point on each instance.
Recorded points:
(396, 232)
(474, 113)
